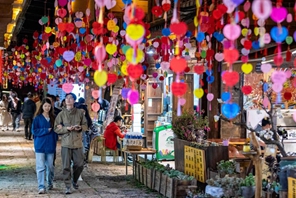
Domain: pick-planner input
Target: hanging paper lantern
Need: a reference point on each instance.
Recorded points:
(294, 116)
(262, 9)
(247, 90)
(95, 107)
(135, 71)
(112, 78)
(179, 88)
(278, 14)
(231, 56)
(265, 68)
(247, 68)
(100, 78)
(124, 92)
(279, 34)
(199, 92)
(67, 87)
(178, 64)
(95, 94)
(279, 77)
(225, 96)
(133, 97)
(287, 95)
(230, 111)
(230, 78)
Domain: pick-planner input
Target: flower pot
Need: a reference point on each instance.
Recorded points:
(248, 191)
(214, 191)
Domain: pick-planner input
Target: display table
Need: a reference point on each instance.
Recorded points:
(135, 155)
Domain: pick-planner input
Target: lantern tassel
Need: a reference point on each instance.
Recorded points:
(179, 108)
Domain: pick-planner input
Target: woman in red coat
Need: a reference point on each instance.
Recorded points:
(111, 133)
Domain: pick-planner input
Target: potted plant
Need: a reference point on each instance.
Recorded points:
(190, 126)
(270, 186)
(224, 187)
(248, 186)
(227, 167)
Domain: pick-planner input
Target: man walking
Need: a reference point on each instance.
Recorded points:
(28, 110)
(70, 123)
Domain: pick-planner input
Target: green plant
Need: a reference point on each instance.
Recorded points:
(187, 125)
(167, 170)
(249, 180)
(226, 167)
(230, 185)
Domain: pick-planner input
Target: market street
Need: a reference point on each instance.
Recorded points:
(18, 176)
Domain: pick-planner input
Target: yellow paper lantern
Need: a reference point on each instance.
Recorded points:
(247, 68)
(199, 92)
(100, 78)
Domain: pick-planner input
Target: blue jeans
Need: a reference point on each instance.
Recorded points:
(16, 117)
(44, 161)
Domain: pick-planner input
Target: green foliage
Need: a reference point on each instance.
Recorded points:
(187, 125)
(249, 180)
(230, 185)
(167, 170)
(226, 167)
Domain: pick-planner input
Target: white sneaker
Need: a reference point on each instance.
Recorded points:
(80, 178)
(41, 191)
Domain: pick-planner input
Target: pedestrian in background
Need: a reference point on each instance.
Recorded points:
(5, 117)
(45, 141)
(29, 108)
(70, 123)
(15, 109)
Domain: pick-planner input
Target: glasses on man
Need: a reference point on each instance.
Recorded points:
(70, 98)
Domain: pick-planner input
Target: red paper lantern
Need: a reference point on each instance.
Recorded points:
(112, 78)
(179, 88)
(231, 56)
(287, 95)
(135, 71)
(179, 29)
(178, 64)
(230, 78)
(199, 69)
(247, 90)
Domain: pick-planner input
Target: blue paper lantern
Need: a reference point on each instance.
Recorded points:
(230, 111)
(225, 96)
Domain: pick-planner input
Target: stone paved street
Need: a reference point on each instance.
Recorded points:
(18, 176)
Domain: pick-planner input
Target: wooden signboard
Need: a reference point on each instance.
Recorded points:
(291, 187)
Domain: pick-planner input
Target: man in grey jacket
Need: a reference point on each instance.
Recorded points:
(70, 123)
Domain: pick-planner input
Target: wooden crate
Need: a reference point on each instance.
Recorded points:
(157, 179)
(137, 171)
(150, 177)
(177, 188)
(163, 184)
(144, 176)
(141, 174)
(179, 153)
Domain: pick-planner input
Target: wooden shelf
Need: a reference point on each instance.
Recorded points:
(154, 97)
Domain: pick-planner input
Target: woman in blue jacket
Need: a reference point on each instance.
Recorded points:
(45, 141)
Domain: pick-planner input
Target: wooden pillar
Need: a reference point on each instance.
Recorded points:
(82, 5)
(189, 79)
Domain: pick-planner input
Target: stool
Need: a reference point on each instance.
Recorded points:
(104, 149)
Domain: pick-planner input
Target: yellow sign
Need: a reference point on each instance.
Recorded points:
(195, 164)
(291, 187)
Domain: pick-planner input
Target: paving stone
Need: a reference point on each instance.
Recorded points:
(18, 175)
